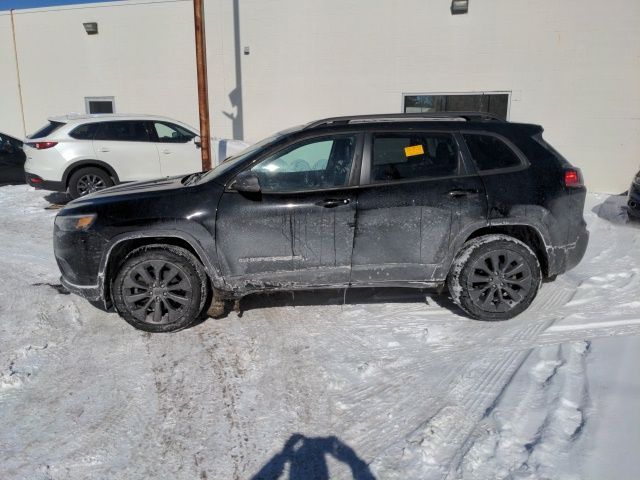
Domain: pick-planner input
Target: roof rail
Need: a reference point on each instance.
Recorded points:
(453, 116)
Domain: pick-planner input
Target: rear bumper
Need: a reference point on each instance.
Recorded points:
(576, 252)
(40, 184)
(564, 257)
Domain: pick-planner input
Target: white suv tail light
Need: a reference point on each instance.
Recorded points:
(41, 145)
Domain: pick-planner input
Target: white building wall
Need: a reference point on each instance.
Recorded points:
(10, 114)
(572, 66)
(143, 56)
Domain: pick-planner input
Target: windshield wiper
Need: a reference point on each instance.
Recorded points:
(193, 178)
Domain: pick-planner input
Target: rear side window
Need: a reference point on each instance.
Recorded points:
(47, 130)
(490, 153)
(84, 132)
(125, 131)
(399, 156)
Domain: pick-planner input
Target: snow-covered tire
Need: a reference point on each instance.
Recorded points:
(494, 277)
(160, 278)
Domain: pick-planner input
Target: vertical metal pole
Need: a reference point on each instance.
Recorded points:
(203, 92)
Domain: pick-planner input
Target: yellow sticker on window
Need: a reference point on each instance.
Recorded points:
(413, 150)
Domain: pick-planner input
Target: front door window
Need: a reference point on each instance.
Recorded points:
(311, 165)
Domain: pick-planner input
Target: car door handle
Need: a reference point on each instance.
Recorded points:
(462, 192)
(166, 151)
(333, 202)
(104, 149)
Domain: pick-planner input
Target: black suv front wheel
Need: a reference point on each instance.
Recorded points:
(160, 288)
(495, 277)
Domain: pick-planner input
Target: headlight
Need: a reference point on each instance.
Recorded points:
(75, 223)
(637, 179)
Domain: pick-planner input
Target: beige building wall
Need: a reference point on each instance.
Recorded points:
(143, 56)
(572, 66)
(10, 112)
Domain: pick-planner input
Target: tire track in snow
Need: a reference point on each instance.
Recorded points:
(531, 434)
(435, 446)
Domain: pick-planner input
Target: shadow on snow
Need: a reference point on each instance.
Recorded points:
(306, 459)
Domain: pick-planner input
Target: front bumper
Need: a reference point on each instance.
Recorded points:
(90, 292)
(40, 184)
(78, 255)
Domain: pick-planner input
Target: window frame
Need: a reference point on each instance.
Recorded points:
(88, 100)
(367, 158)
(354, 174)
(524, 161)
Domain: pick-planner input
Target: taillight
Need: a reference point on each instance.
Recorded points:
(572, 178)
(41, 145)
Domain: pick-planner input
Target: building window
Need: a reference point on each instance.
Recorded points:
(496, 103)
(99, 104)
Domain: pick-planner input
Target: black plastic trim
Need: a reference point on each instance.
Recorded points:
(44, 184)
(88, 163)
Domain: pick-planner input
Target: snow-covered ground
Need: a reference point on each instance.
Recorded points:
(387, 385)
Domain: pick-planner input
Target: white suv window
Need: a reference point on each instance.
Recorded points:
(170, 133)
(123, 131)
(84, 132)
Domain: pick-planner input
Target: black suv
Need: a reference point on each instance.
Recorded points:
(481, 205)
(634, 197)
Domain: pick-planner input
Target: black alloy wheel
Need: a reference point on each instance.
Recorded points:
(499, 281)
(494, 277)
(160, 289)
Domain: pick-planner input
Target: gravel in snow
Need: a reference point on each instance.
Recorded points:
(386, 384)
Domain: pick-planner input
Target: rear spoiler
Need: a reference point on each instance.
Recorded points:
(531, 129)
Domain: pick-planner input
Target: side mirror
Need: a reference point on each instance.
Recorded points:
(197, 141)
(246, 182)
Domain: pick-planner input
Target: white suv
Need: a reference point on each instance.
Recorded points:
(86, 153)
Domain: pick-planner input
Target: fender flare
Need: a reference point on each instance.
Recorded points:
(463, 235)
(89, 163)
(211, 270)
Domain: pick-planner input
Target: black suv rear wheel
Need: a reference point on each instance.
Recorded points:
(160, 289)
(495, 277)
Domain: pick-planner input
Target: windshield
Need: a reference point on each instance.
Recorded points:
(231, 162)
